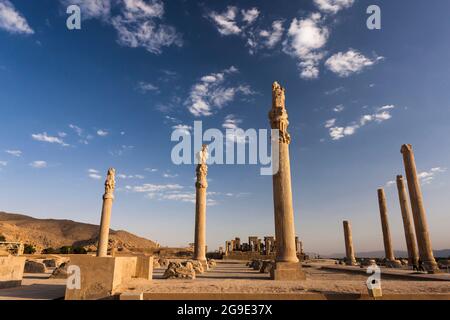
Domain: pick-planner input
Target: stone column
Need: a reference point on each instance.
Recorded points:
(411, 245)
(389, 252)
(287, 265)
(418, 210)
(108, 198)
(350, 252)
(200, 207)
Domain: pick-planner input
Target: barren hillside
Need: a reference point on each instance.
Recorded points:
(45, 233)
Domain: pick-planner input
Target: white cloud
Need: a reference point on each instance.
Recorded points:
(352, 61)
(38, 164)
(77, 129)
(211, 93)
(272, 37)
(102, 133)
(333, 6)
(151, 169)
(390, 183)
(339, 108)
(138, 26)
(339, 132)
(183, 129)
(11, 20)
(152, 188)
(238, 134)
(330, 123)
(226, 22)
(306, 39)
(334, 91)
(44, 137)
(427, 177)
(3, 163)
(15, 153)
(130, 176)
(387, 107)
(169, 176)
(250, 15)
(94, 174)
(91, 8)
(242, 23)
(147, 87)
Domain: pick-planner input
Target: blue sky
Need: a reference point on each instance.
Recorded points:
(75, 102)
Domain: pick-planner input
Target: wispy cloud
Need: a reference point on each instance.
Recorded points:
(426, 177)
(94, 174)
(44, 137)
(334, 91)
(3, 163)
(15, 153)
(102, 133)
(339, 108)
(145, 87)
(339, 132)
(333, 6)
(350, 62)
(139, 25)
(237, 135)
(242, 22)
(38, 164)
(212, 93)
(183, 129)
(11, 20)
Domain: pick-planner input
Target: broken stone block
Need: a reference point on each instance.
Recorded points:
(267, 266)
(178, 270)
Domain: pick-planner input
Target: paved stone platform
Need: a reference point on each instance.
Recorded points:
(36, 287)
(392, 273)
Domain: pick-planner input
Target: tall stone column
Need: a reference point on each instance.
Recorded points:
(200, 207)
(418, 210)
(349, 251)
(389, 251)
(411, 245)
(108, 198)
(287, 265)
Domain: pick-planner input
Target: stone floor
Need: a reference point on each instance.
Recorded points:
(231, 277)
(36, 287)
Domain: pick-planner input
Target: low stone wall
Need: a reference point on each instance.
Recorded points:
(11, 271)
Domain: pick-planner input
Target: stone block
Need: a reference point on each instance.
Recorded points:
(375, 292)
(100, 277)
(287, 271)
(11, 271)
(132, 296)
(144, 267)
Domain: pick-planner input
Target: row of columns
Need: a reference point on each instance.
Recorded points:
(418, 243)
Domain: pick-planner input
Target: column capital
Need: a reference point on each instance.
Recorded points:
(406, 148)
(278, 115)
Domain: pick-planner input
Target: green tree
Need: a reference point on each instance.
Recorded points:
(79, 250)
(29, 249)
(65, 250)
(2, 237)
(49, 250)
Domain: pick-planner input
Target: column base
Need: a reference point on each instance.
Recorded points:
(431, 267)
(287, 271)
(393, 264)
